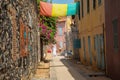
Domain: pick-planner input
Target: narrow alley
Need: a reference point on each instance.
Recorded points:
(65, 70)
(61, 68)
(59, 39)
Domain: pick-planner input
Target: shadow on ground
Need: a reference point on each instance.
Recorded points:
(83, 71)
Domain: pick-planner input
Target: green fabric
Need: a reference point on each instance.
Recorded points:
(78, 8)
(72, 9)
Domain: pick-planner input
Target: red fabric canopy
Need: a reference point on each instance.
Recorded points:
(45, 8)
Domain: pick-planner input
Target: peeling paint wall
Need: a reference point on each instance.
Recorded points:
(91, 32)
(112, 19)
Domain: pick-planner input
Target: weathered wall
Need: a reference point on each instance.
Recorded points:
(90, 24)
(112, 12)
(18, 38)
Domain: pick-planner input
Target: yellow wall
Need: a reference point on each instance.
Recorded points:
(90, 25)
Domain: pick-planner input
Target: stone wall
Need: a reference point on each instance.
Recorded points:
(18, 38)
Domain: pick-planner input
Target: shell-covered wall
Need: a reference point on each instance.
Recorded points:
(18, 38)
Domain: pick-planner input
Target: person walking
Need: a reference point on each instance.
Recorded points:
(54, 50)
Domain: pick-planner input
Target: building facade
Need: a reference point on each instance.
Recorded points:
(60, 36)
(90, 22)
(112, 23)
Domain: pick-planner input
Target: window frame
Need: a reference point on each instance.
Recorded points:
(94, 4)
(78, 10)
(88, 6)
(82, 7)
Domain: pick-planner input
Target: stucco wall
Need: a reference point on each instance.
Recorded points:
(90, 24)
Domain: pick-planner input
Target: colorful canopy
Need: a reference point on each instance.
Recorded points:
(57, 10)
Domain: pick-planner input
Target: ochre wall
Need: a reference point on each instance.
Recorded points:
(89, 25)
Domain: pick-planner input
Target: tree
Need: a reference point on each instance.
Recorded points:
(47, 26)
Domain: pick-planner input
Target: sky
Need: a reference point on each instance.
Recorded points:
(62, 1)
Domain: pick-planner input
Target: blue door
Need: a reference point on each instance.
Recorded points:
(84, 49)
(102, 52)
(89, 49)
(97, 48)
(99, 43)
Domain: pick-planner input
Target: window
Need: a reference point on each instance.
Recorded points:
(89, 49)
(82, 8)
(115, 34)
(89, 44)
(94, 4)
(78, 9)
(60, 32)
(88, 6)
(77, 43)
(99, 2)
(61, 44)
